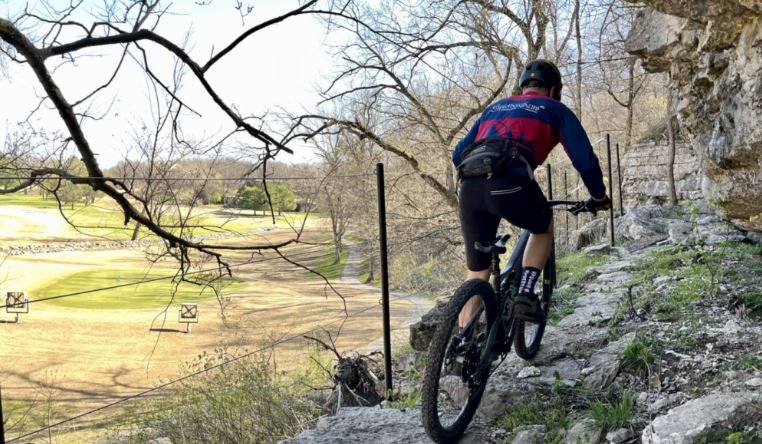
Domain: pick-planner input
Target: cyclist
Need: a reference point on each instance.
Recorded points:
(495, 163)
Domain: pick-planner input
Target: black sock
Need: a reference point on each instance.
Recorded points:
(529, 276)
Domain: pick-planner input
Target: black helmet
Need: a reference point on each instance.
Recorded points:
(543, 72)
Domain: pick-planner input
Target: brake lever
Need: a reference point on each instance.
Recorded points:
(578, 208)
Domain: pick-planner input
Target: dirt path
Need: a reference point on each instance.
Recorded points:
(400, 331)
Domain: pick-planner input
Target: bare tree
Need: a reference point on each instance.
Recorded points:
(414, 86)
(45, 41)
(615, 64)
(334, 194)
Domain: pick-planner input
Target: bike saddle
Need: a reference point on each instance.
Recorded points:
(496, 246)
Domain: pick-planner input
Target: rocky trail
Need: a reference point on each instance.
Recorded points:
(662, 331)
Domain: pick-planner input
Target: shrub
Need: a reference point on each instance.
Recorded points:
(242, 402)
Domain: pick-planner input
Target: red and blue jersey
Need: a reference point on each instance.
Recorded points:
(539, 123)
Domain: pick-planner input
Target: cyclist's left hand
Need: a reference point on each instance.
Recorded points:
(594, 205)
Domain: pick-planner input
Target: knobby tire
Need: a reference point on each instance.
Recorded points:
(529, 350)
(437, 349)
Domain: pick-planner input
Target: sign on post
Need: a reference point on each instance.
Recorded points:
(16, 303)
(188, 315)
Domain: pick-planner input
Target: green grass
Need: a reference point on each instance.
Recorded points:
(637, 357)
(536, 412)
(614, 414)
(727, 435)
(570, 268)
(145, 295)
(105, 219)
(405, 401)
(26, 416)
(696, 276)
(550, 413)
(749, 363)
(330, 269)
(560, 312)
(27, 200)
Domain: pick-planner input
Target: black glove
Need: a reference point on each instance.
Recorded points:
(592, 206)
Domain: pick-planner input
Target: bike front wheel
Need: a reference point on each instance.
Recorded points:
(527, 335)
(458, 362)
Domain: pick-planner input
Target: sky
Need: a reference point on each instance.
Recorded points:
(278, 68)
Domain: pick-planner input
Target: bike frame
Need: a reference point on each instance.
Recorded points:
(506, 281)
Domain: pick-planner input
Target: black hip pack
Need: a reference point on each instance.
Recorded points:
(491, 156)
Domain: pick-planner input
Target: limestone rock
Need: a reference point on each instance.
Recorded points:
(584, 433)
(642, 223)
(644, 174)
(710, 49)
(589, 233)
(604, 364)
(377, 425)
(529, 435)
(682, 424)
(680, 233)
(620, 435)
(529, 372)
(595, 250)
(593, 309)
(422, 331)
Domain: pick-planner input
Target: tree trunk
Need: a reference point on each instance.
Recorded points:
(337, 250)
(579, 61)
(135, 232)
(371, 262)
(630, 105)
(672, 152)
(671, 161)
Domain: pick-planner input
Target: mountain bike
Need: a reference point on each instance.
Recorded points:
(460, 360)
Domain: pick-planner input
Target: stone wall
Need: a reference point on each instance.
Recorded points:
(644, 174)
(712, 52)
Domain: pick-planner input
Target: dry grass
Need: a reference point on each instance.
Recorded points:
(89, 357)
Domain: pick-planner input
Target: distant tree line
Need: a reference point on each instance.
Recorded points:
(282, 198)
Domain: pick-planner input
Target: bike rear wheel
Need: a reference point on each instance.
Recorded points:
(458, 362)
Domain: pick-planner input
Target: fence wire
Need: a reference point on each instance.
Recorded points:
(141, 394)
(163, 278)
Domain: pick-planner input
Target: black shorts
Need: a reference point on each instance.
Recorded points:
(483, 202)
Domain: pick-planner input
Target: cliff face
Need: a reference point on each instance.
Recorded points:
(644, 169)
(712, 50)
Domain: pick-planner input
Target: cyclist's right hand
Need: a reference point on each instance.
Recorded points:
(592, 205)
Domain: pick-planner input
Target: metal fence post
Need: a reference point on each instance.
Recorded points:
(384, 277)
(611, 191)
(566, 213)
(619, 175)
(548, 269)
(2, 418)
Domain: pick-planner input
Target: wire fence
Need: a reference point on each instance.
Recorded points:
(186, 179)
(159, 387)
(559, 188)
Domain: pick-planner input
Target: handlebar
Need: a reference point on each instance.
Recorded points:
(573, 206)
